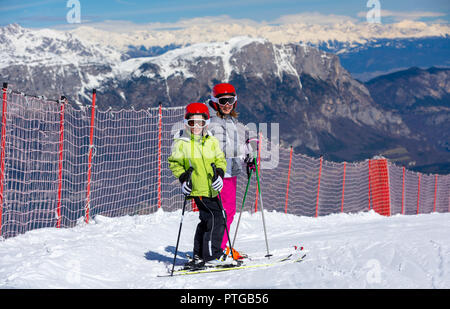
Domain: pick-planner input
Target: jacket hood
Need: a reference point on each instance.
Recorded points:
(185, 135)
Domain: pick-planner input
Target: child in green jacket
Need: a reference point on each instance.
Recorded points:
(195, 147)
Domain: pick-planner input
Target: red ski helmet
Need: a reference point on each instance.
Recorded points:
(222, 90)
(197, 109)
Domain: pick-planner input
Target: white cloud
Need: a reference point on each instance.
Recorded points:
(307, 27)
(123, 26)
(314, 18)
(409, 15)
(208, 23)
(439, 21)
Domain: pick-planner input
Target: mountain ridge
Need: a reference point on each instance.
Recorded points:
(320, 107)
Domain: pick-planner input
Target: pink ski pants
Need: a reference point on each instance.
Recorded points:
(228, 195)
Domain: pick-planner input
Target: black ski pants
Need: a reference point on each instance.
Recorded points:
(209, 234)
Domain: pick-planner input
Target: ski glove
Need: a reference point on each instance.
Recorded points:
(186, 188)
(250, 164)
(186, 184)
(217, 184)
(250, 148)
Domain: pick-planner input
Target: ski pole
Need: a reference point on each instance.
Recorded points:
(243, 203)
(223, 214)
(262, 208)
(189, 172)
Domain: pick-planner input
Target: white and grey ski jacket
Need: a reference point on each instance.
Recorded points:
(232, 136)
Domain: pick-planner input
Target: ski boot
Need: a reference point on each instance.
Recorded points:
(236, 255)
(194, 263)
(222, 261)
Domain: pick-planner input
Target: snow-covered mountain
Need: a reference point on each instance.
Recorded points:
(382, 56)
(46, 47)
(304, 89)
(365, 50)
(90, 44)
(319, 105)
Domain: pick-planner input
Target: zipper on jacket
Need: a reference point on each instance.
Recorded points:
(209, 180)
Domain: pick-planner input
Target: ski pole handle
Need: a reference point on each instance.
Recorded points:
(189, 174)
(214, 171)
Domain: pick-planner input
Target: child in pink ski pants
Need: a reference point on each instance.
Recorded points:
(224, 125)
(228, 195)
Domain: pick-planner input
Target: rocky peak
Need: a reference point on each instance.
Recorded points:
(319, 107)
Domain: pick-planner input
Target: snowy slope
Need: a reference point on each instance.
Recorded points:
(178, 61)
(362, 250)
(47, 47)
(96, 62)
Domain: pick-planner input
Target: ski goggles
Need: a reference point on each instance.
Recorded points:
(224, 101)
(199, 123)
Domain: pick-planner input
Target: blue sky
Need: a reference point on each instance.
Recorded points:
(52, 13)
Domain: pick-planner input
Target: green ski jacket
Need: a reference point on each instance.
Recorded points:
(199, 152)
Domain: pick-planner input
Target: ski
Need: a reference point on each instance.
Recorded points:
(182, 272)
(284, 258)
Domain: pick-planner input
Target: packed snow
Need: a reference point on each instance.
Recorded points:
(363, 250)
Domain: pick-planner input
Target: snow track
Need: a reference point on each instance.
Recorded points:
(361, 250)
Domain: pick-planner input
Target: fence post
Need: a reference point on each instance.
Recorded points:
(418, 195)
(379, 186)
(318, 187)
(388, 189)
(194, 206)
(91, 145)
(2, 154)
(403, 191)
(289, 176)
(343, 188)
(435, 192)
(369, 184)
(60, 162)
(159, 153)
